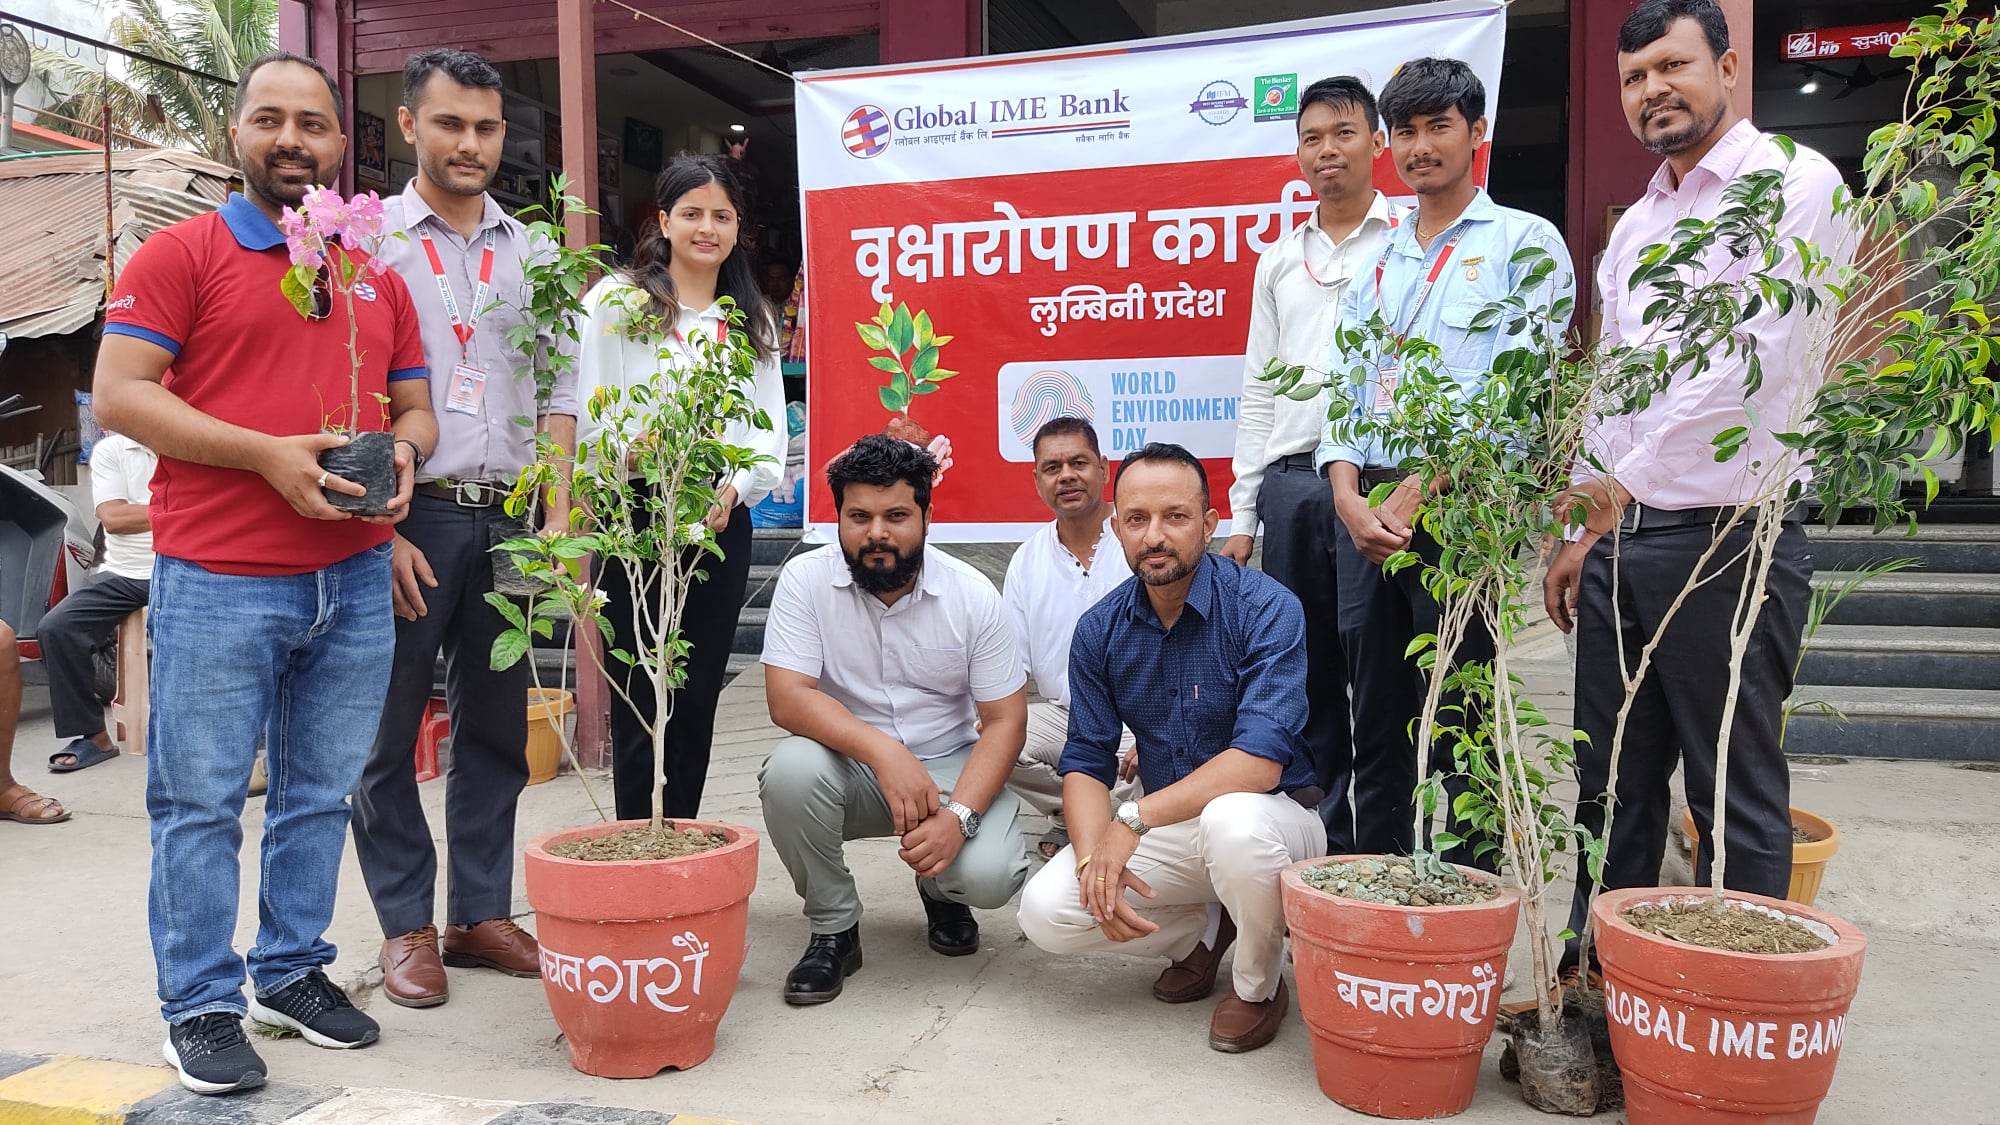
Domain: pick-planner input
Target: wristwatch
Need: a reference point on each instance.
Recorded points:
(968, 821)
(1128, 815)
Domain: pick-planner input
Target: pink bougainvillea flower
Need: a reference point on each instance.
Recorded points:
(364, 218)
(302, 241)
(326, 210)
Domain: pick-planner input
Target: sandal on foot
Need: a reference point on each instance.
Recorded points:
(19, 803)
(1053, 842)
(82, 754)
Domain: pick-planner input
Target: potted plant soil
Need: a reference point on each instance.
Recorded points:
(1399, 976)
(324, 274)
(1814, 841)
(641, 923)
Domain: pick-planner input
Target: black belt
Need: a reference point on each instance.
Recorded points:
(465, 493)
(1644, 517)
(1372, 477)
(1296, 461)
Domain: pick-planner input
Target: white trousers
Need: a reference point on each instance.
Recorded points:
(1231, 854)
(1035, 778)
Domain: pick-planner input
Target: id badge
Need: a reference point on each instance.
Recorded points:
(1386, 378)
(468, 390)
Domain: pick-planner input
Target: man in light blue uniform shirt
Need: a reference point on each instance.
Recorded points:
(1445, 263)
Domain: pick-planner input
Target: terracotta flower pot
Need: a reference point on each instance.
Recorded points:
(1808, 858)
(1709, 1036)
(640, 958)
(548, 710)
(1400, 1000)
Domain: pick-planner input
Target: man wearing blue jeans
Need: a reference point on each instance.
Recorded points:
(270, 607)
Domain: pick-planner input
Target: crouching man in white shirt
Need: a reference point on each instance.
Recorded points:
(1059, 572)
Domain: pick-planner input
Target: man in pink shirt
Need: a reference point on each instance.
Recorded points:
(1668, 497)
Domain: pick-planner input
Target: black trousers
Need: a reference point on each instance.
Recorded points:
(1379, 616)
(1678, 710)
(78, 626)
(708, 624)
(489, 734)
(1297, 509)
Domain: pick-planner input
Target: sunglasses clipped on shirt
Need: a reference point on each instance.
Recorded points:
(322, 306)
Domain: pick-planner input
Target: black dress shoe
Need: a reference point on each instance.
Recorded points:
(828, 961)
(952, 929)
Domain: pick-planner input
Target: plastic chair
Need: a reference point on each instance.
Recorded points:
(433, 729)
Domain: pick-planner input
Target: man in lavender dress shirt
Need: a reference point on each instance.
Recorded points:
(463, 260)
(1668, 496)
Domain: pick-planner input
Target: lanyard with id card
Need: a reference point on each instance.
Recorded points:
(467, 392)
(1389, 373)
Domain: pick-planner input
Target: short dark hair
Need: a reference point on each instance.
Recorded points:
(270, 57)
(882, 461)
(1343, 92)
(1652, 19)
(462, 67)
(1165, 452)
(1429, 86)
(1066, 424)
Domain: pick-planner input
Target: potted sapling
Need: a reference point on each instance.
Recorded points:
(641, 923)
(322, 236)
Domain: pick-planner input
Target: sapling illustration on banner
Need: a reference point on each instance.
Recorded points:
(911, 348)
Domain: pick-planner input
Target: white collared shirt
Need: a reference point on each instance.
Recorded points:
(914, 670)
(122, 469)
(1294, 309)
(606, 357)
(1047, 590)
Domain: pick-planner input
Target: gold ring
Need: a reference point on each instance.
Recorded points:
(1100, 878)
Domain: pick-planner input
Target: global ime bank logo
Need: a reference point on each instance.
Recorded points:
(1219, 102)
(866, 132)
(1047, 395)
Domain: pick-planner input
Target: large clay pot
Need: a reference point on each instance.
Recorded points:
(1400, 1000)
(1709, 1036)
(640, 958)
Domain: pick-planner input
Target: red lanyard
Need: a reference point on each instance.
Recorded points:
(1430, 282)
(461, 327)
(721, 334)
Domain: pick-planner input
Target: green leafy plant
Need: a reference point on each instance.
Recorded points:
(643, 486)
(555, 278)
(910, 355)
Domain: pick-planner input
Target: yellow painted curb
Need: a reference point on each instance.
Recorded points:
(84, 1091)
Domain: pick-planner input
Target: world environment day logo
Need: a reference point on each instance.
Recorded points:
(1047, 395)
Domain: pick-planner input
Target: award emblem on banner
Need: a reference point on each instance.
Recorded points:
(1219, 102)
(1277, 97)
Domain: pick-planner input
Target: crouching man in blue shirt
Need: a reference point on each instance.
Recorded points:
(1205, 661)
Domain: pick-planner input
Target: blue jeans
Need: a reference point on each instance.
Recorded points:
(304, 660)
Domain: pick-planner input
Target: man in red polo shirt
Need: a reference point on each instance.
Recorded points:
(270, 607)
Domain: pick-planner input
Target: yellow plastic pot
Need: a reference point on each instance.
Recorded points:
(1808, 859)
(547, 708)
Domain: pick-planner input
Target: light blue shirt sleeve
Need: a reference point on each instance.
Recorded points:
(1340, 366)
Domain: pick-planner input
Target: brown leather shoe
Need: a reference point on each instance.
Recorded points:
(1193, 977)
(1239, 1025)
(496, 943)
(411, 973)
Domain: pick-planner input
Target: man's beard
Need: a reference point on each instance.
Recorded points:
(1181, 569)
(262, 181)
(1667, 144)
(875, 580)
(440, 173)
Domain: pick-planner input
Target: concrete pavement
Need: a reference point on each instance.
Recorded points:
(1010, 1034)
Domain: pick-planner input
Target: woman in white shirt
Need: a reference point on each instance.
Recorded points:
(679, 270)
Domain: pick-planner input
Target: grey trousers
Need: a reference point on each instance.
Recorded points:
(1036, 778)
(816, 799)
(75, 628)
(488, 765)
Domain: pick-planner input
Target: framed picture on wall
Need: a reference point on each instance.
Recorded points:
(645, 146)
(371, 145)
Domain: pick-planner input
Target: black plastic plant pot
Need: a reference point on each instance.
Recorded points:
(369, 460)
(507, 577)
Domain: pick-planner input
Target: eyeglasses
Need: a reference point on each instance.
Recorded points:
(322, 306)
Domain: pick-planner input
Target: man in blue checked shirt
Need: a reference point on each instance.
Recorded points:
(1205, 661)
(1443, 265)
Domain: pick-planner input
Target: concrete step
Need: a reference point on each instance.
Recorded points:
(771, 546)
(750, 631)
(763, 579)
(1963, 549)
(1921, 598)
(1944, 724)
(1902, 656)
(739, 663)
